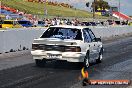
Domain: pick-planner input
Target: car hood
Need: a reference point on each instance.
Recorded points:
(56, 41)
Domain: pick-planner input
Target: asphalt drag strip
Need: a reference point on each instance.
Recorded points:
(117, 64)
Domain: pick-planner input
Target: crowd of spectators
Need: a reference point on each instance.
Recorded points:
(55, 21)
(58, 21)
(62, 21)
(75, 22)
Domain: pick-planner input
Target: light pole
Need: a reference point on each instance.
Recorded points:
(45, 8)
(75, 13)
(119, 9)
(94, 11)
(93, 8)
(110, 12)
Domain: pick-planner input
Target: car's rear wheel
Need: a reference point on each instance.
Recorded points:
(99, 60)
(40, 63)
(86, 61)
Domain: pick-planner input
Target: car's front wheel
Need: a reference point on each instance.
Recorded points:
(86, 61)
(99, 60)
(40, 63)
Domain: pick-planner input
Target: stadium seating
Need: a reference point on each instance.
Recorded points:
(10, 11)
(121, 16)
(5, 12)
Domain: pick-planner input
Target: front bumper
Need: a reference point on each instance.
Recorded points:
(56, 55)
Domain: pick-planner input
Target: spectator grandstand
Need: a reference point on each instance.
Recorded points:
(121, 16)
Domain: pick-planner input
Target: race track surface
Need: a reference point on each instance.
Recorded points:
(21, 72)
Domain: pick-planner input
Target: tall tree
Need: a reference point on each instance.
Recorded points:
(100, 4)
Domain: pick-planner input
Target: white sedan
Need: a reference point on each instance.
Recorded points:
(70, 43)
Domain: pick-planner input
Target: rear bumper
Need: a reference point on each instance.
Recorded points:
(68, 56)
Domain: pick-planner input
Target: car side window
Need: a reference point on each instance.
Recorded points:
(86, 36)
(91, 35)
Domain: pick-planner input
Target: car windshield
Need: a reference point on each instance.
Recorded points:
(23, 22)
(8, 22)
(63, 33)
(40, 22)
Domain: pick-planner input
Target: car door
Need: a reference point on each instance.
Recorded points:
(88, 44)
(95, 44)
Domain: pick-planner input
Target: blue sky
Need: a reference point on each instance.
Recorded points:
(126, 5)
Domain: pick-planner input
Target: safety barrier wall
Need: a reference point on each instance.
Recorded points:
(104, 32)
(21, 39)
(18, 39)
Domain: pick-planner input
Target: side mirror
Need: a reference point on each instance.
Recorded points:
(97, 40)
(14, 24)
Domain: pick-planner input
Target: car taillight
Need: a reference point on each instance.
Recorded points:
(78, 49)
(0, 26)
(35, 46)
(38, 46)
(73, 49)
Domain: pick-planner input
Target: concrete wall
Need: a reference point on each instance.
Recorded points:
(111, 31)
(19, 39)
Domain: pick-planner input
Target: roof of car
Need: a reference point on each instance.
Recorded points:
(9, 20)
(25, 20)
(70, 26)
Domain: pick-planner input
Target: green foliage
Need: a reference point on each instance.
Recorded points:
(100, 4)
(38, 9)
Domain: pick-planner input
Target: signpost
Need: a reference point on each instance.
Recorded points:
(94, 11)
(119, 9)
(45, 8)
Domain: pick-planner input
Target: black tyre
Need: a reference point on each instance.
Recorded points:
(86, 61)
(99, 60)
(84, 83)
(40, 63)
